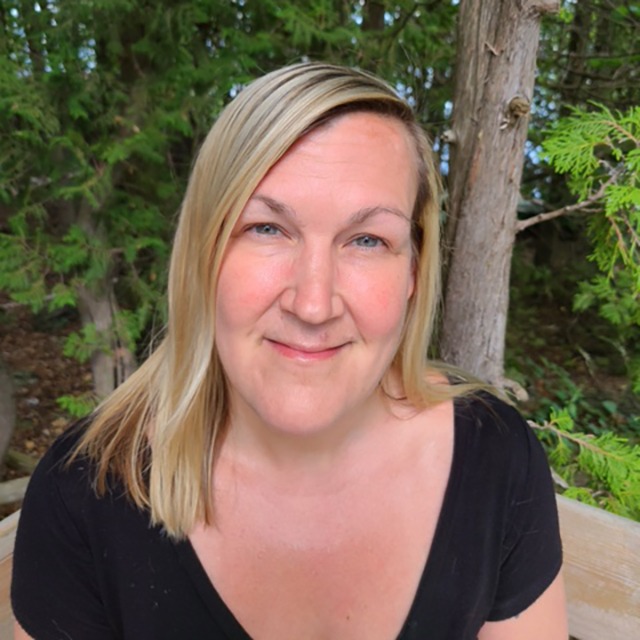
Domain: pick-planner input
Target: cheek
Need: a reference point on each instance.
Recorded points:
(382, 303)
(245, 288)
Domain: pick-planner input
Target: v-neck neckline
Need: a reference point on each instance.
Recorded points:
(232, 628)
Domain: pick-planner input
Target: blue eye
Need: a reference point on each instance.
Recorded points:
(368, 242)
(265, 229)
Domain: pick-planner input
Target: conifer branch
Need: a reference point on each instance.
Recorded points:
(581, 439)
(608, 464)
(577, 206)
(634, 236)
(625, 133)
(620, 240)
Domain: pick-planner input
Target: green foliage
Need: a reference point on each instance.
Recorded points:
(588, 52)
(77, 406)
(103, 122)
(599, 151)
(83, 344)
(600, 463)
(554, 391)
(602, 470)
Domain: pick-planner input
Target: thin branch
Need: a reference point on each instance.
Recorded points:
(576, 439)
(596, 56)
(634, 236)
(622, 247)
(558, 479)
(570, 208)
(7, 306)
(625, 132)
(405, 20)
(593, 89)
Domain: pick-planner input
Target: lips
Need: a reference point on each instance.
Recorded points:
(305, 352)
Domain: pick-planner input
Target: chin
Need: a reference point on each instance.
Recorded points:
(304, 422)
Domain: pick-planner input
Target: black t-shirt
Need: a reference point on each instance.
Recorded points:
(94, 569)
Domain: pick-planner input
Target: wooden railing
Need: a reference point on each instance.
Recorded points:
(602, 572)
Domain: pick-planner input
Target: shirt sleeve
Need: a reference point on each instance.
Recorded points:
(54, 590)
(531, 553)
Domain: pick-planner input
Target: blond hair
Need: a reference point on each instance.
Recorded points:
(159, 432)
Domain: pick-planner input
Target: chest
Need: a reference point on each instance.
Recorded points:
(322, 565)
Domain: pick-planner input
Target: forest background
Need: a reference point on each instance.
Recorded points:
(103, 105)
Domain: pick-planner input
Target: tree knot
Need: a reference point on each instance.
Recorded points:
(518, 107)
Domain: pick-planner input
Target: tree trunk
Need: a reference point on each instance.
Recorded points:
(373, 15)
(108, 366)
(495, 67)
(112, 363)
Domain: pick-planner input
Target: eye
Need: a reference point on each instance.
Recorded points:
(264, 229)
(369, 242)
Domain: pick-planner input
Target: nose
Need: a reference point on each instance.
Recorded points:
(313, 296)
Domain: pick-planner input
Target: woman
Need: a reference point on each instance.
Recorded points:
(287, 464)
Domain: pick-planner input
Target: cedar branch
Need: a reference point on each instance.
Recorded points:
(521, 225)
(576, 439)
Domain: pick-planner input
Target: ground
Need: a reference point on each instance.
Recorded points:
(32, 346)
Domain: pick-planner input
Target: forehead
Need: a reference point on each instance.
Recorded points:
(373, 130)
(354, 155)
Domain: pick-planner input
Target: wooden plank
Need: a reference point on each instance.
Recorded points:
(7, 538)
(602, 572)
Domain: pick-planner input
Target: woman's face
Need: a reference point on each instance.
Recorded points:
(314, 285)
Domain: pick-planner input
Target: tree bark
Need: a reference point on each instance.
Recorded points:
(495, 67)
(373, 15)
(113, 363)
(108, 366)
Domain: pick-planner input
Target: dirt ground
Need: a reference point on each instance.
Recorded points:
(31, 347)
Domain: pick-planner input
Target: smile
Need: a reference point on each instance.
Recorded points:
(307, 353)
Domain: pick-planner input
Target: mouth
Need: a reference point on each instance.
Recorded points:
(309, 353)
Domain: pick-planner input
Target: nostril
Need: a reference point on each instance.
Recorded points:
(312, 303)
(310, 295)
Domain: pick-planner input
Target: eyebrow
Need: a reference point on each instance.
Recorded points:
(358, 217)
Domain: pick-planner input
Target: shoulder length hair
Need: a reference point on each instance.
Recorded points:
(159, 432)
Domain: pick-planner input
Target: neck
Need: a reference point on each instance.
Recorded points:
(325, 449)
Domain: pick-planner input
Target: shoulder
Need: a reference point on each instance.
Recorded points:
(492, 422)
(64, 535)
(61, 487)
(485, 409)
(498, 447)
(508, 486)
(62, 516)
